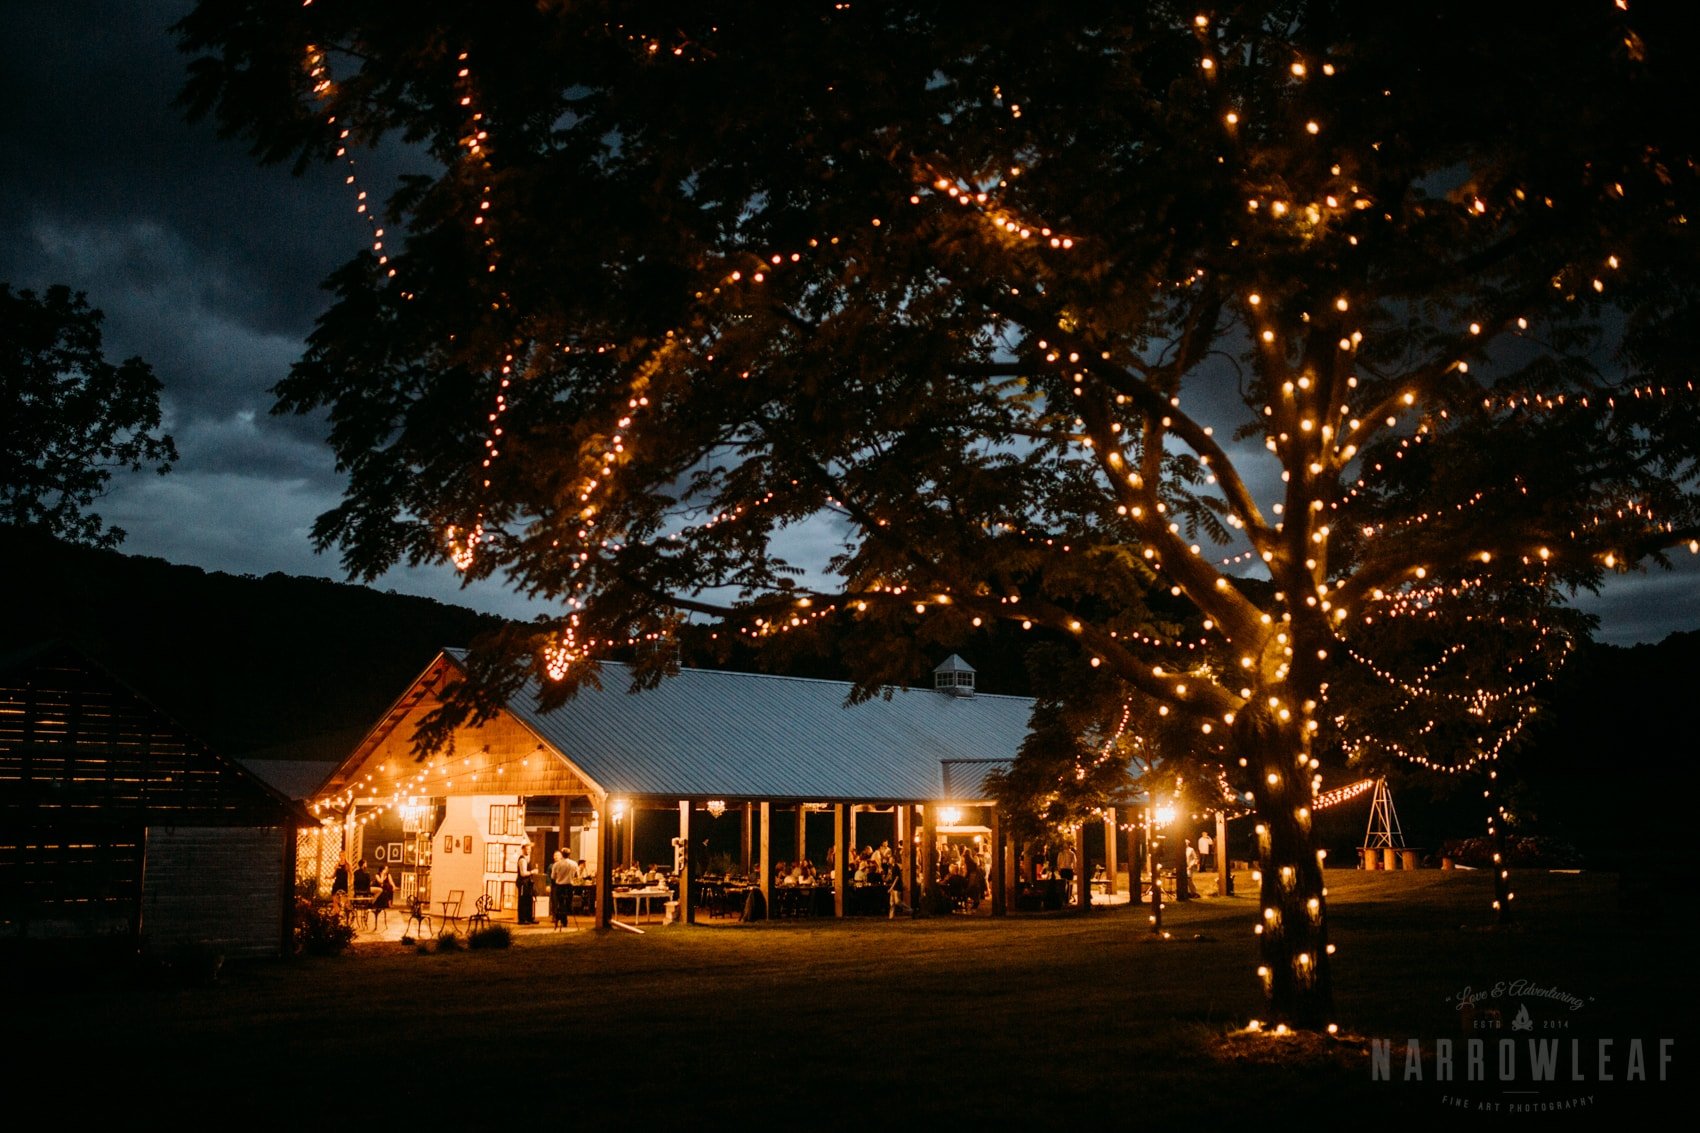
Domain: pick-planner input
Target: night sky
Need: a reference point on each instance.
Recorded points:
(209, 267)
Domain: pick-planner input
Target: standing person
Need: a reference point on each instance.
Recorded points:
(563, 875)
(523, 876)
(976, 876)
(1206, 844)
(385, 895)
(339, 882)
(1065, 865)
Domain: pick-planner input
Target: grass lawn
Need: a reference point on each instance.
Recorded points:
(1028, 1022)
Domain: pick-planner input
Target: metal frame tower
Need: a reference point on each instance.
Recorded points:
(1383, 829)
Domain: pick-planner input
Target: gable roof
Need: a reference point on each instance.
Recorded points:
(711, 734)
(296, 778)
(78, 742)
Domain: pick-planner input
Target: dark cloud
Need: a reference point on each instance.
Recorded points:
(1647, 605)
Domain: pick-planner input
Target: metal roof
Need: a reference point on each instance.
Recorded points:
(297, 778)
(710, 734)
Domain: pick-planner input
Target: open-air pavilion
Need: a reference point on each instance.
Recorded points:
(774, 750)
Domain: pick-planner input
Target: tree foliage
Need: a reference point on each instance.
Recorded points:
(72, 418)
(1019, 314)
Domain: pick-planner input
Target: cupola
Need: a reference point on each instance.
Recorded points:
(955, 677)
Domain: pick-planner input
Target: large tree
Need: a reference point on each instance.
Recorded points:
(1017, 312)
(72, 418)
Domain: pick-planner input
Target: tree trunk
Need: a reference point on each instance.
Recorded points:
(1155, 859)
(1292, 923)
(1501, 870)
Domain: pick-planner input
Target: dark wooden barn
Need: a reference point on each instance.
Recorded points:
(119, 828)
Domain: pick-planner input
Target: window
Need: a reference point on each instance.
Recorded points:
(493, 857)
(504, 893)
(506, 820)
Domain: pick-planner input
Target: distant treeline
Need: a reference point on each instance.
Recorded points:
(280, 666)
(301, 668)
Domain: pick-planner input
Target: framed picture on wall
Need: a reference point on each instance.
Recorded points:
(395, 852)
(381, 852)
(448, 843)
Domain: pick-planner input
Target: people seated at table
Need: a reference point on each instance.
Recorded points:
(362, 879)
(652, 876)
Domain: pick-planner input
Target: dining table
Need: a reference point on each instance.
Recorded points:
(642, 899)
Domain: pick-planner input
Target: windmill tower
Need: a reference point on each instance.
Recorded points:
(1383, 832)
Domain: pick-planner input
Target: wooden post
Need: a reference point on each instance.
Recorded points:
(929, 857)
(1000, 878)
(687, 899)
(1110, 862)
(1083, 870)
(766, 858)
(605, 863)
(1153, 853)
(1134, 884)
(1221, 854)
(1183, 876)
(840, 828)
(744, 833)
(852, 839)
(628, 839)
(802, 834)
(906, 852)
(1011, 869)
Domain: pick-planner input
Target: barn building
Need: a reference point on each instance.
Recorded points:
(119, 829)
(782, 757)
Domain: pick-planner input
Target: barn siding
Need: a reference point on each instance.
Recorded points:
(213, 888)
(92, 777)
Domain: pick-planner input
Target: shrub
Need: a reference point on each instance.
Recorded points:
(495, 936)
(448, 942)
(319, 931)
(1531, 852)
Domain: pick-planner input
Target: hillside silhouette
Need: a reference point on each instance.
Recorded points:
(278, 666)
(285, 667)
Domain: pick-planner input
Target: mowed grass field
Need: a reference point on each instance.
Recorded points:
(1027, 1022)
